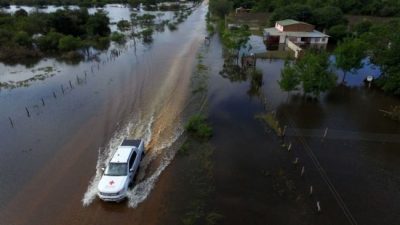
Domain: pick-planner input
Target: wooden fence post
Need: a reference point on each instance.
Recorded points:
(27, 112)
(11, 122)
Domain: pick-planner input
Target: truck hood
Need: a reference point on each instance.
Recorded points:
(112, 184)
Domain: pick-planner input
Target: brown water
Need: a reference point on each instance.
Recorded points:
(50, 162)
(50, 173)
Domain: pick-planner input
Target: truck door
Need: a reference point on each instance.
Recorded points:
(132, 164)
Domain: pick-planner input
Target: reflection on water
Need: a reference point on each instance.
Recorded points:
(141, 92)
(25, 70)
(355, 153)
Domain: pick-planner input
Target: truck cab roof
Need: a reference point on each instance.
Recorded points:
(124, 151)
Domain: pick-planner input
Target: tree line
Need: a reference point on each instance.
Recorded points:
(24, 35)
(355, 7)
(81, 3)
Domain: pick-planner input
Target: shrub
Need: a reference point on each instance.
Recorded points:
(338, 32)
(198, 127)
(123, 25)
(69, 43)
(172, 26)
(22, 38)
(117, 37)
(49, 42)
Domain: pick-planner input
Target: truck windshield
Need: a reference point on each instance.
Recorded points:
(116, 169)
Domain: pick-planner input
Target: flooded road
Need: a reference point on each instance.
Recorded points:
(50, 161)
(50, 174)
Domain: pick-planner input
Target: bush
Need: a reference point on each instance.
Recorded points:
(123, 25)
(49, 42)
(172, 26)
(147, 35)
(102, 43)
(69, 43)
(362, 27)
(21, 13)
(338, 32)
(22, 38)
(198, 127)
(117, 37)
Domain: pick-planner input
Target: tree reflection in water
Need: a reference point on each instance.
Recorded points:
(235, 73)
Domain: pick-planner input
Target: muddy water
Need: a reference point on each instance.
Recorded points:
(50, 160)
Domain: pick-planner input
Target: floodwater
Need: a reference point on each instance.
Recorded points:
(51, 159)
(50, 162)
(349, 150)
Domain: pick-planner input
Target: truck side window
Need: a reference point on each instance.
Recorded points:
(132, 160)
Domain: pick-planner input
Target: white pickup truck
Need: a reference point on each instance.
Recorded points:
(121, 171)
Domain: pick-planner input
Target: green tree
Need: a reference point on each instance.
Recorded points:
(117, 37)
(311, 71)
(338, 32)
(21, 13)
(134, 3)
(69, 43)
(22, 38)
(147, 35)
(97, 25)
(220, 8)
(327, 17)
(292, 11)
(5, 36)
(349, 55)
(235, 39)
(362, 27)
(123, 25)
(384, 47)
(290, 79)
(314, 73)
(146, 19)
(49, 42)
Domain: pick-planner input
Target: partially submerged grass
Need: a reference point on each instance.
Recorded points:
(184, 149)
(199, 153)
(201, 183)
(272, 122)
(198, 127)
(46, 72)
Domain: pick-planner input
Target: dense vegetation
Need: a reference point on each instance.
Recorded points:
(311, 72)
(23, 36)
(83, 3)
(355, 42)
(383, 49)
(377, 42)
(364, 7)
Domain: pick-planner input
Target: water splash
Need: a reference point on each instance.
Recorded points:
(103, 157)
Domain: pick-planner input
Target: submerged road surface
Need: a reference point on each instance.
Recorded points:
(51, 162)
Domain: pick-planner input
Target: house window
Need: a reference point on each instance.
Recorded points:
(322, 39)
